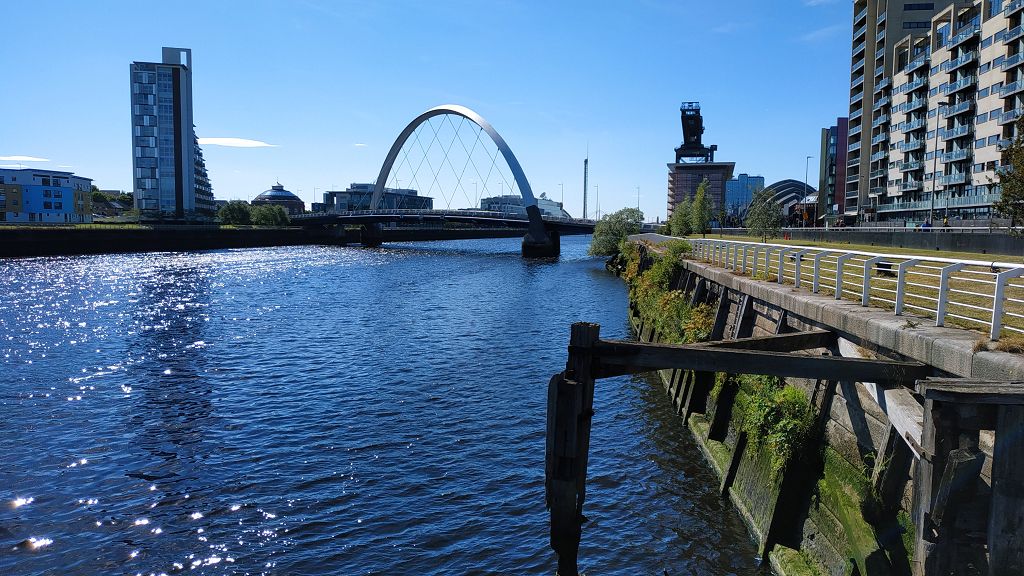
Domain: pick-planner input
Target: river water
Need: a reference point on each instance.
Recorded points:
(324, 410)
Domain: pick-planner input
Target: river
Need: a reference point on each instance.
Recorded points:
(326, 410)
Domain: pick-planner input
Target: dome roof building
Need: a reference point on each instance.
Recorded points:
(278, 196)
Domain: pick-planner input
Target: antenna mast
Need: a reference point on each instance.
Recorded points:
(585, 161)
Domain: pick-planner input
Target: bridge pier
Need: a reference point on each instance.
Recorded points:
(540, 242)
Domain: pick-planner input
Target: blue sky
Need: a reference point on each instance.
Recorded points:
(332, 83)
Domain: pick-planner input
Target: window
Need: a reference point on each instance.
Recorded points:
(983, 92)
(993, 140)
(58, 205)
(916, 25)
(980, 118)
(986, 42)
(47, 205)
(47, 193)
(984, 67)
(919, 6)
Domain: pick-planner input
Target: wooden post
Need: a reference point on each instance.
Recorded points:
(744, 318)
(698, 291)
(891, 470)
(1006, 520)
(570, 411)
(721, 315)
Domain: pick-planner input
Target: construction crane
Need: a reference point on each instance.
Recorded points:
(693, 127)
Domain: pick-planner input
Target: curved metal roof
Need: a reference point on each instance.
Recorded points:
(278, 193)
(789, 192)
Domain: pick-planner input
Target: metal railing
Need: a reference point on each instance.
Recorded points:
(971, 293)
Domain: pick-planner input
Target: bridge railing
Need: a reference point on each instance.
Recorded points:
(463, 213)
(974, 294)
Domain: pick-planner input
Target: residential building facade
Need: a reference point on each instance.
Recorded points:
(939, 110)
(832, 172)
(169, 172)
(739, 191)
(44, 196)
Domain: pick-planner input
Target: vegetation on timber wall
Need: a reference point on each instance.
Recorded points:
(776, 417)
(677, 322)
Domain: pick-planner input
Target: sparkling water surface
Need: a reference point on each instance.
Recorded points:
(326, 410)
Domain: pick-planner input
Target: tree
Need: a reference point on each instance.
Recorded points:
(269, 215)
(235, 212)
(702, 211)
(764, 217)
(612, 229)
(679, 222)
(1011, 177)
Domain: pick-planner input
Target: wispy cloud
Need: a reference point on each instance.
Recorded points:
(822, 33)
(818, 2)
(359, 145)
(236, 142)
(23, 159)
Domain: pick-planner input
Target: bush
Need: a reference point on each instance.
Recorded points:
(777, 418)
(612, 230)
(235, 212)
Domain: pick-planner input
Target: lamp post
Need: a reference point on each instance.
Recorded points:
(807, 163)
(935, 161)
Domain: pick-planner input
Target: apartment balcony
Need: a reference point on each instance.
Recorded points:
(857, 81)
(957, 109)
(883, 101)
(860, 16)
(856, 114)
(878, 37)
(853, 160)
(963, 60)
(1011, 88)
(970, 32)
(905, 206)
(877, 173)
(961, 84)
(912, 85)
(1013, 34)
(911, 166)
(885, 83)
(1010, 116)
(859, 32)
(880, 52)
(912, 125)
(922, 61)
(883, 137)
(852, 179)
(957, 132)
(856, 98)
(880, 155)
(953, 179)
(855, 130)
(858, 48)
(1012, 62)
(852, 147)
(879, 71)
(1013, 8)
(1004, 143)
(910, 145)
(912, 105)
(883, 119)
(881, 18)
(911, 185)
(956, 155)
(963, 201)
(858, 65)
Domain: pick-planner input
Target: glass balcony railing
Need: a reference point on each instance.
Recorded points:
(858, 47)
(909, 145)
(911, 166)
(958, 108)
(852, 147)
(1012, 62)
(855, 130)
(958, 132)
(879, 71)
(1013, 7)
(963, 59)
(883, 101)
(961, 84)
(912, 125)
(956, 155)
(852, 178)
(879, 36)
(880, 155)
(1013, 34)
(859, 31)
(860, 15)
(966, 33)
(1010, 116)
(921, 61)
(1011, 88)
(912, 85)
(912, 105)
(883, 84)
(884, 118)
(911, 185)
(856, 114)
(881, 18)
(883, 137)
(856, 97)
(953, 179)
(857, 81)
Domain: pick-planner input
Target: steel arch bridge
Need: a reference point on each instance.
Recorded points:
(538, 240)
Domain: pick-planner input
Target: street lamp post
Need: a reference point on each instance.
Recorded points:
(935, 161)
(807, 163)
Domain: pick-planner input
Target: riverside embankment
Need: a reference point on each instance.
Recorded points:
(18, 241)
(910, 475)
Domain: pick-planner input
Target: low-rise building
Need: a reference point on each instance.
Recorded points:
(278, 196)
(513, 204)
(44, 196)
(358, 196)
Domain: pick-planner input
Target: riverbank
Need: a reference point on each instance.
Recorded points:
(16, 241)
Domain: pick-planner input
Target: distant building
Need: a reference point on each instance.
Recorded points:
(832, 171)
(513, 204)
(278, 196)
(791, 194)
(29, 195)
(740, 191)
(683, 179)
(358, 196)
(169, 172)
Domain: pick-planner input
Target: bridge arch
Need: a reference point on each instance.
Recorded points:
(456, 110)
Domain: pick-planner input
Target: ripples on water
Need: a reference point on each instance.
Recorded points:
(318, 410)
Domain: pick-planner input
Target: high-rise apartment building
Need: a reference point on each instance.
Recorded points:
(169, 172)
(832, 172)
(740, 191)
(926, 128)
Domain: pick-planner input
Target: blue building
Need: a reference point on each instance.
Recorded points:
(739, 191)
(47, 196)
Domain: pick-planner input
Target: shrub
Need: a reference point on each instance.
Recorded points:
(777, 418)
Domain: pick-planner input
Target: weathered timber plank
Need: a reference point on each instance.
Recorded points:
(616, 357)
(903, 411)
(778, 343)
(972, 391)
(1006, 521)
(721, 315)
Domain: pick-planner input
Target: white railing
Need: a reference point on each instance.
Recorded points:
(972, 293)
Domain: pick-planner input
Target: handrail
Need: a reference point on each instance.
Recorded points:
(973, 293)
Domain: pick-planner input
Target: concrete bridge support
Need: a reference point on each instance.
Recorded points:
(539, 242)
